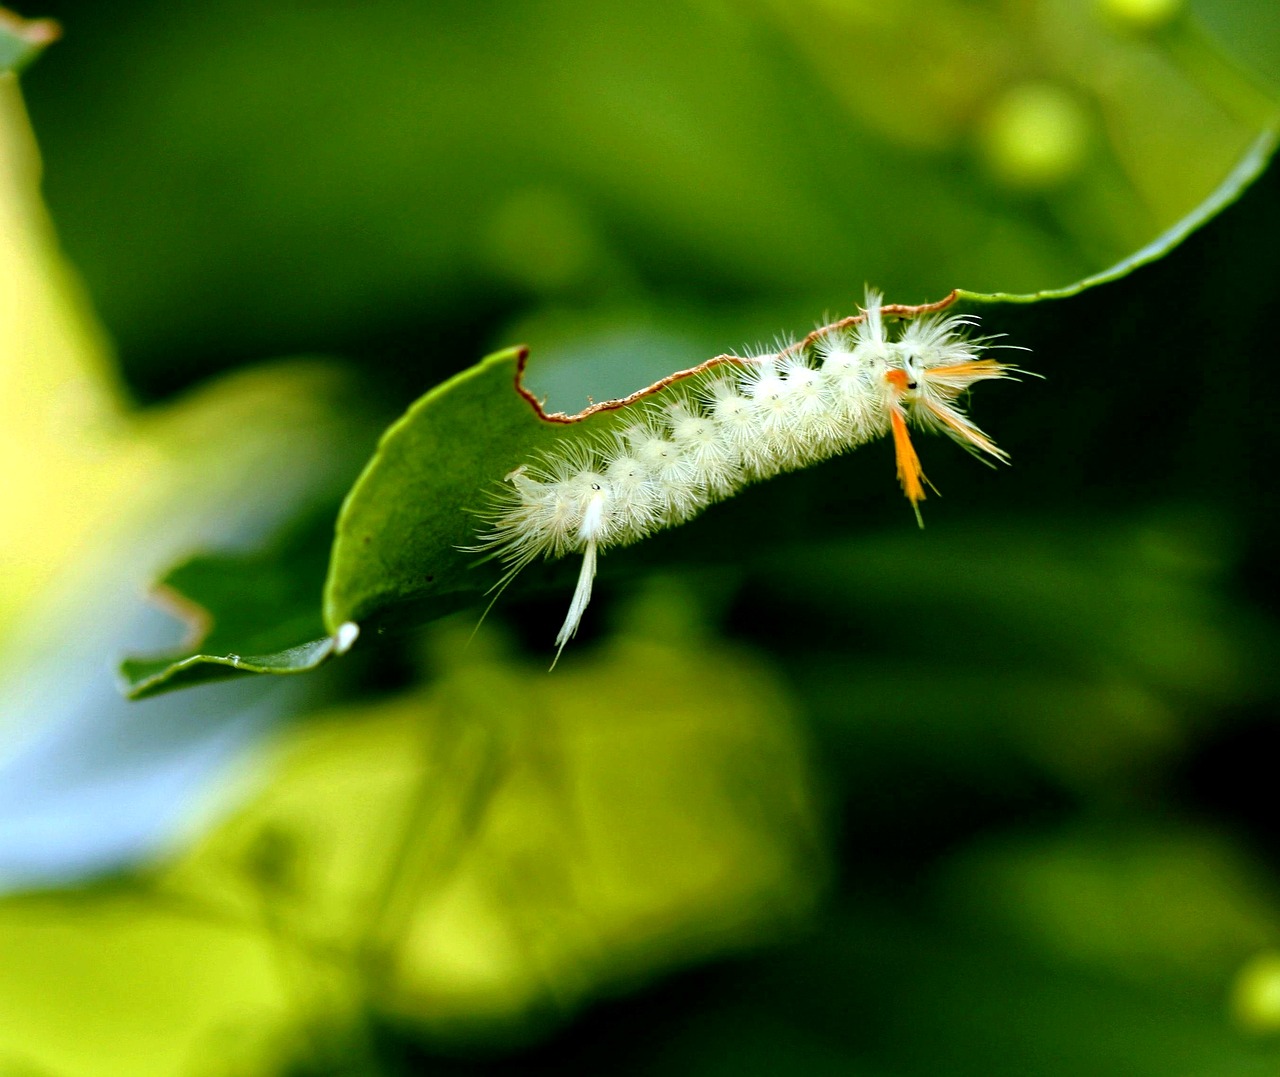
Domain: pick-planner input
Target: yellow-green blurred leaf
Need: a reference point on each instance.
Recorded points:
(544, 838)
(117, 985)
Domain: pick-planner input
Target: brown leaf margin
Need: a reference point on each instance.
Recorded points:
(893, 310)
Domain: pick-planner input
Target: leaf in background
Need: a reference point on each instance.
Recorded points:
(22, 40)
(1158, 904)
(342, 177)
(478, 857)
(113, 983)
(1090, 655)
(98, 498)
(501, 844)
(89, 781)
(60, 406)
(881, 989)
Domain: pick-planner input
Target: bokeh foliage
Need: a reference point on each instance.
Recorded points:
(817, 793)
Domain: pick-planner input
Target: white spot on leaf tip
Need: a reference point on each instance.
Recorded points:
(346, 635)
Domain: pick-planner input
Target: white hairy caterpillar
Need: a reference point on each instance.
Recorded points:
(740, 419)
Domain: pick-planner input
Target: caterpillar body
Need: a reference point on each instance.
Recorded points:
(741, 420)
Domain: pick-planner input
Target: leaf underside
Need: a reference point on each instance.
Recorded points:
(249, 614)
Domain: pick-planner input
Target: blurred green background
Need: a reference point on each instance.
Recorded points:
(813, 792)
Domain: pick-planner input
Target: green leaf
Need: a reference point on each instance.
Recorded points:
(22, 40)
(255, 613)
(1250, 167)
(145, 677)
(404, 530)
(401, 547)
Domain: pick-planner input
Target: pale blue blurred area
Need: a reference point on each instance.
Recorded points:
(90, 782)
(103, 782)
(93, 783)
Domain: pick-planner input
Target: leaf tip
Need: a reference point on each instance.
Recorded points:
(346, 635)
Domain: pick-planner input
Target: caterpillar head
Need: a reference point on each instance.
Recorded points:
(933, 364)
